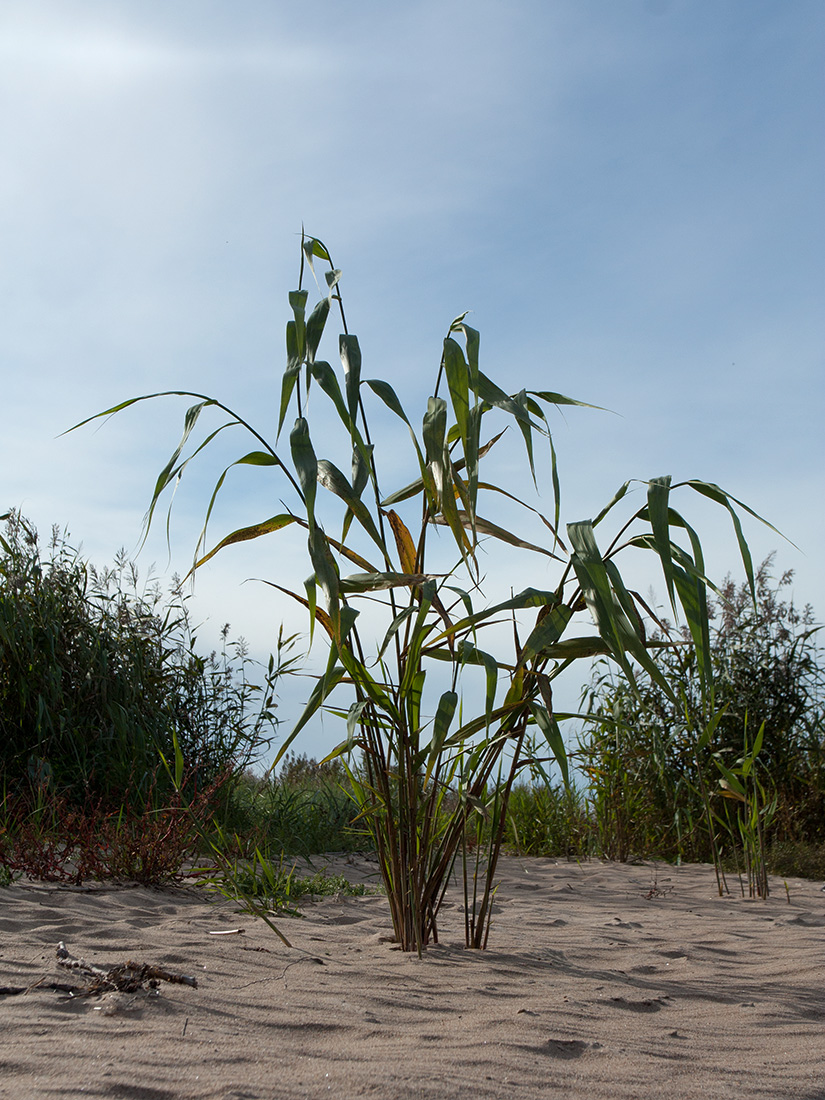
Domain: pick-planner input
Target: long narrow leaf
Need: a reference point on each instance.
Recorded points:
(350, 352)
(552, 735)
(243, 534)
(485, 527)
(658, 494)
(306, 465)
(331, 478)
(546, 633)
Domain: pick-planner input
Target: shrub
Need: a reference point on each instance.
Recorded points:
(642, 755)
(99, 675)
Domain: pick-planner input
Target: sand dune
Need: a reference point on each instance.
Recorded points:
(601, 980)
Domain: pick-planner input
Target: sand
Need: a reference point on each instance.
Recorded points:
(601, 980)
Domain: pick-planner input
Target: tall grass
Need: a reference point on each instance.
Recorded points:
(434, 761)
(304, 810)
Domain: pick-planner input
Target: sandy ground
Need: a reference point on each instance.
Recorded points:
(601, 980)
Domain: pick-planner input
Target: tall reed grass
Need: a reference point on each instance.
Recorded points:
(433, 767)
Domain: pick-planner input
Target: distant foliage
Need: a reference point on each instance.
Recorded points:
(305, 770)
(99, 675)
(308, 808)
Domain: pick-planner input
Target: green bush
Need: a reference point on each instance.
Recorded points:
(98, 676)
(642, 754)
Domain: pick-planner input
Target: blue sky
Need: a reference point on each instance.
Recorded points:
(628, 196)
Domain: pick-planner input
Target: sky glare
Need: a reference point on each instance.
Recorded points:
(628, 197)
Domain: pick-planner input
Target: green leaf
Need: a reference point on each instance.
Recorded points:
(658, 493)
(394, 627)
(574, 649)
(707, 734)
(298, 305)
(610, 604)
(290, 377)
(467, 653)
(434, 429)
(306, 465)
(552, 735)
(168, 472)
(489, 392)
(326, 571)
(315, 328)
(331, 478)
(617, 496)
(547, 631)
(560, 399)
(455, 368)
(525, 425)
(314, 247)
(387, 394)
(351, 359)
(714, 493)
(444, 715)
(243, 534)
(360, 469)
(485, 527)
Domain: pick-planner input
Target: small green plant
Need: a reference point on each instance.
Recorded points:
(266, 887)
(740, 782)
(426, 749)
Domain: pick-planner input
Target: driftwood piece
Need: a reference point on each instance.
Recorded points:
(129, 977)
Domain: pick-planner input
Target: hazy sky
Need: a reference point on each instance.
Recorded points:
(628, 196)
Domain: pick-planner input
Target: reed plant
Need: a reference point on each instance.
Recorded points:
(424, 747)
(678, 774)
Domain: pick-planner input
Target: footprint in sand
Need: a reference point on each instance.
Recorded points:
(567, 1048)
(617, 922)
(637, 1006)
